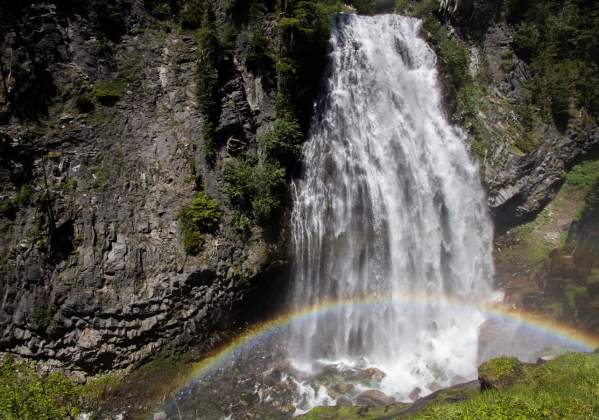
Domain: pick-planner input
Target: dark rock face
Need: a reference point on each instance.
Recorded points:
(92, 271)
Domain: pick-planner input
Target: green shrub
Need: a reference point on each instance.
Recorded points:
(23, 195)
(41, 317)
(240, 223)
(270, 192)
(256, 189)
(240, 182)
(303, 30)
(202, 215)
(501, 372)
(207, 80)
(364, 6)
(26, 395)
(109, 92)
(108, 16)
(256, 47)
(583, 176)
(192, 13)
(559, 40)
(282, 142)
(456, 60)
(526, 40)
(9, 206)
(163, 9)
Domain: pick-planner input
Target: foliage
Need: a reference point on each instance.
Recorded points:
(240, 223)
(258, 49)
(583, 176)
(108, 16)
(207, 80)
(41, 316)
(364, 6)
(282, 142)
(303, 32)
(193, 13)
(9, 206)
(559, 40)
(202, 215)
(255, 188)
(109, 92)
(26, 395)
(501, 371)
(562, 388)
(163, 9)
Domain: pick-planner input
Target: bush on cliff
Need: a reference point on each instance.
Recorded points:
(200, 216)
(282, 142)
(26, 395)
(256, 189)
(207, 80)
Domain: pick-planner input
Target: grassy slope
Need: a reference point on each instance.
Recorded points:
(566, 387)
(530, 244)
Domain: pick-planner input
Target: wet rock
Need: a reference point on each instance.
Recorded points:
(370, 375)
(415, 394)
(374, 397)
(344, 401)
(456, 380)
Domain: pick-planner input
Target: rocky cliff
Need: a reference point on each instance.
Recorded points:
(100, 145)
(524, 156)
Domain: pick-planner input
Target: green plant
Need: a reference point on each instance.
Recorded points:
(500, 372)
(270, 190)
(364, 6)
(26, 395)
(192, 13)
(583, 175)
(239, 182)
(507, 61)
(108, 16)
(41, 316)
(240, 223)
(109, 92)
(282, 142)
(561, 388)
(23, 195)
(255, 188)
(9, 206)
(207, 80)
(200, 216)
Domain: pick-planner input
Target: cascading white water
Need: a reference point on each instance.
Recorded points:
(390, 205)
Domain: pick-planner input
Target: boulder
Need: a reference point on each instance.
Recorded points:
(370, 375)
(374, 397)
(500, 373)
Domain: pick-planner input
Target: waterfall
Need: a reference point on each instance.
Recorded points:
(390, 205)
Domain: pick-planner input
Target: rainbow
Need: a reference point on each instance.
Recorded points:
(576, 339)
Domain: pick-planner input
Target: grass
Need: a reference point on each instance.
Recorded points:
(565, 387)
(532, 242)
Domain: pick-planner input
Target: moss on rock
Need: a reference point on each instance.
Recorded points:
(500, 373)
